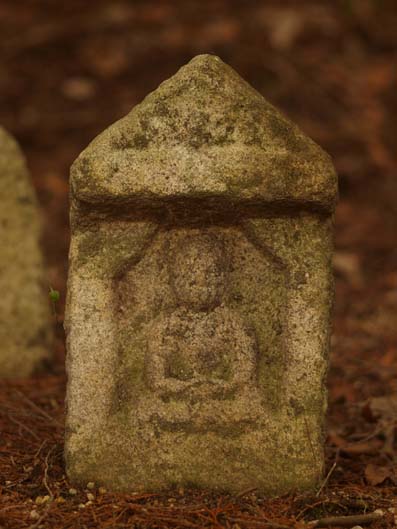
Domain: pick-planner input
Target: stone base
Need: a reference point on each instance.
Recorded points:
(223, 452)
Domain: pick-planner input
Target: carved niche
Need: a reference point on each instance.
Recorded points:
(198, 333)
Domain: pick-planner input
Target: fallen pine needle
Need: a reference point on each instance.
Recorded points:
(326, 479)
(347, 521)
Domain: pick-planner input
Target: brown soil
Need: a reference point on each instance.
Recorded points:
(70, 69)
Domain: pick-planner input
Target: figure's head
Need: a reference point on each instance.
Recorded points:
(197, 271)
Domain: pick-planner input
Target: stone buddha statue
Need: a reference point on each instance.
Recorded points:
(203, 349)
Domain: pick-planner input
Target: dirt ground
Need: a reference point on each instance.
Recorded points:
(68, 70)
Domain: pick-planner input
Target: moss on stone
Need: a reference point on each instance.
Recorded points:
(110, 251)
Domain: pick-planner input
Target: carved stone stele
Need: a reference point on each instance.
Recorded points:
(199, 294)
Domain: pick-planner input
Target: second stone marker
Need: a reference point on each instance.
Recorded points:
(199, 294)
(25, 319)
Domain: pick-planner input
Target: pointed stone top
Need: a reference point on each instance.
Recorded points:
(10, 153)
(204, 133)
(15, 181)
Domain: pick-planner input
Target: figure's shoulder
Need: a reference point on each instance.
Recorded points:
(228, 316)
(167, 322)
(234, 324)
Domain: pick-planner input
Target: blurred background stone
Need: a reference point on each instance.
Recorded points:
(25, 326)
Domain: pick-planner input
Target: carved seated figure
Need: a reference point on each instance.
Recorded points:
(203, 349)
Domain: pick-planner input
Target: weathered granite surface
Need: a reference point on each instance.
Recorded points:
(25, 328)
(199, 293)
